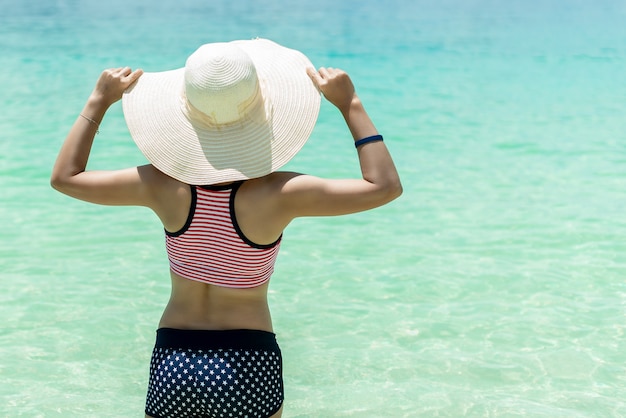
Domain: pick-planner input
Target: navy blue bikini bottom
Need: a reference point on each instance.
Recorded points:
(232, 373)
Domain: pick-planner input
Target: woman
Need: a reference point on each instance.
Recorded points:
(215, 133)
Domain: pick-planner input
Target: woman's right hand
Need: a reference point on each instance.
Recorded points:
(112, 84)
(335, 84)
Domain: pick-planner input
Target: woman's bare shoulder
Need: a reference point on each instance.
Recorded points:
(269, 186)
(171, 198)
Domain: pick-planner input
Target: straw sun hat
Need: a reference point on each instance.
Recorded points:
(237, 110)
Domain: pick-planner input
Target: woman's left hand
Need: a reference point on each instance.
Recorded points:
(112, 84)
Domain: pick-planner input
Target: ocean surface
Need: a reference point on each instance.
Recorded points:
(494, 287)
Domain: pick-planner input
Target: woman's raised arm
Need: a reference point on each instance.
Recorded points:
(69, 175)
(312, 196)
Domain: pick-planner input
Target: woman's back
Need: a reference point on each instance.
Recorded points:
(199, 298)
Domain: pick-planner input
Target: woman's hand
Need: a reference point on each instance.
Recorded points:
(335, 84)
(112, 84)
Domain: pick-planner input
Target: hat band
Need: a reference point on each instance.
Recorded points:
(254, 109)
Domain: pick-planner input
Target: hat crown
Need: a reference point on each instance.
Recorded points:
(221, 82)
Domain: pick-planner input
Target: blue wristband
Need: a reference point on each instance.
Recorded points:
(372, 138)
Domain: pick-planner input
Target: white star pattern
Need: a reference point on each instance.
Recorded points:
(186, 383)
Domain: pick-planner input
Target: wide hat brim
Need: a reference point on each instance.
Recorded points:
(197, 153)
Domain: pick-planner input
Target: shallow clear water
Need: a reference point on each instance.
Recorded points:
(494, 287)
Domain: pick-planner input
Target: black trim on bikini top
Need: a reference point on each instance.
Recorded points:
(226, 186)
(233, 217)
(192, 206)
(192, 211)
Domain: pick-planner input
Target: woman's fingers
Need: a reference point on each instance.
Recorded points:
(315, 76)
(334, 84)
(323, 72)
(131, 76)
(114, 81)
(125, 75)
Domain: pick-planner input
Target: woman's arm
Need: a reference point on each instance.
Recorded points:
(69, 175)
(312, 196)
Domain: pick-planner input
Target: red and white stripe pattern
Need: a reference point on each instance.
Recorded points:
(212, 251)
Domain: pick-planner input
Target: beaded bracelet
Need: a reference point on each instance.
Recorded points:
(372, 138)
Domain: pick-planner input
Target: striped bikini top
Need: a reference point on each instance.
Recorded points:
(211, 248)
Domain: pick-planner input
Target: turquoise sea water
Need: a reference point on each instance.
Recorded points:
(494, 287)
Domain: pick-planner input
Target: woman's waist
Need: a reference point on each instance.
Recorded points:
(212, 315)
(196, 305)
